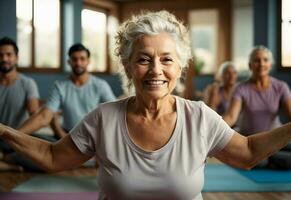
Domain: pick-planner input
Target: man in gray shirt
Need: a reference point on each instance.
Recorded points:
(19, 94)
(75, 95)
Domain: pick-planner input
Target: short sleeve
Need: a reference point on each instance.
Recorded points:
(238, 93)
(286, 94)
(32, 89)
(54, 99)
(85, 133)
(217, 131)
(106, 92)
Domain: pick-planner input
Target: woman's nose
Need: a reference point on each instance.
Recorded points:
(156, 67)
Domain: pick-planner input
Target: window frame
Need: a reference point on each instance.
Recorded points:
(279, 56)
(33, 67)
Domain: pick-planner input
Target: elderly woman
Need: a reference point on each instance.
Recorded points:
(258, 101)
(218, 95)
(152, 145)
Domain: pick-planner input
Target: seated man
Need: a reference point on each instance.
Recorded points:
(19, 95)
(75, 95)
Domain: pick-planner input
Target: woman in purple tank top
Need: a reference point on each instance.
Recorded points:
(258, 100)
(218, 95)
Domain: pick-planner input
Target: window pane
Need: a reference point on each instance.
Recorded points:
(203, 35)
(47, 33)
(24, 31)
(242, 34)
(94, 37)
(286, 32)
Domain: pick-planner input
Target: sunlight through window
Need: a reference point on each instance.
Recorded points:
(286, 32)
(94, 37)
(38, 33)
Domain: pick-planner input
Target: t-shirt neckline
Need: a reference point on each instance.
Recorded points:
(157, 152)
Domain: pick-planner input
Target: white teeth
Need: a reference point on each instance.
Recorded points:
(155, 82)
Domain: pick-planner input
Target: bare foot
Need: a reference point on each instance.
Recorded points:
(4, 166)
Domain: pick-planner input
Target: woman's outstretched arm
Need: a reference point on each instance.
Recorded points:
(246, 152)
(51, 157)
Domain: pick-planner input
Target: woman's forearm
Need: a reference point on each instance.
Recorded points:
(265, 144)
(35, 149)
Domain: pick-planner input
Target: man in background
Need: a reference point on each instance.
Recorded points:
(74, 96)
(19, 96)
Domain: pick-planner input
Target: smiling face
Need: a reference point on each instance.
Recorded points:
(260, 64)
(153, 66)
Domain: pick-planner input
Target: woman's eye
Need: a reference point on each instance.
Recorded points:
(167, 60)
(143, 61)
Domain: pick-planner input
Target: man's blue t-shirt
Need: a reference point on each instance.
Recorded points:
(75, 102)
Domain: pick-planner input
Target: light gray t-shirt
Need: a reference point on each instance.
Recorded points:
(13, 101)
(75, 102)
(176, 171)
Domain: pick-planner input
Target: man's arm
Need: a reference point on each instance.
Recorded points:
(32, 106)
(37, 121)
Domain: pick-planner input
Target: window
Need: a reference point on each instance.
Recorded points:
(285, 42)
(38, 33)
(94, 26)
(242, 34)
(203, 36)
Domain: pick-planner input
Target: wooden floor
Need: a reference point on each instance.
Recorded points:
(9, 180)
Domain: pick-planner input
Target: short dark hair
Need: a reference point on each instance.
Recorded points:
(78, 47)
(9, 41)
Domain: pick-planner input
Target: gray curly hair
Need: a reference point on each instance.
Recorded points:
(150, 23)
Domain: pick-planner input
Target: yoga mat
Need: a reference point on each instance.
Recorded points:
(267, 175)
(218, 178)
(46, 183)
(222, 178)
(49, 196)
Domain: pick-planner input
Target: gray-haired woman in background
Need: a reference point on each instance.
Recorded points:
(152, 145)
(218, 95)
(257, 102)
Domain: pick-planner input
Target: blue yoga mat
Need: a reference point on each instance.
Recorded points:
(222, 178)
(218, 178)
(45, 183)
(267, 175)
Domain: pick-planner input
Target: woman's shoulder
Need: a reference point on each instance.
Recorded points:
(190, 105)
(277, 82)
(109, 110)
(113, 105)
(243, 87)
(243, 84)
(279, 85)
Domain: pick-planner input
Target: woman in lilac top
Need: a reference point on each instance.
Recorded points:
(218, 95)
(258, 101)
